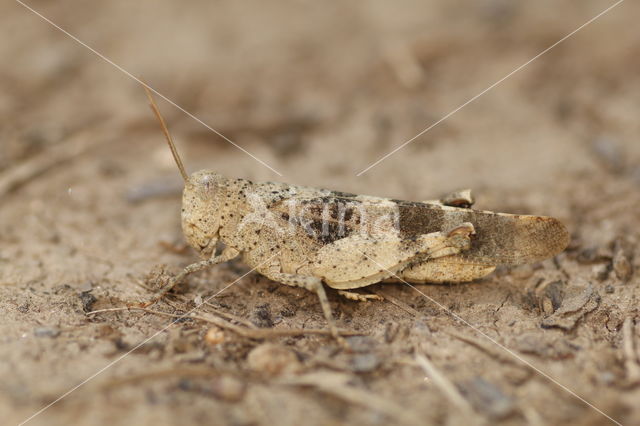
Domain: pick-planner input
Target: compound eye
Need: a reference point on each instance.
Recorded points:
(208, 186)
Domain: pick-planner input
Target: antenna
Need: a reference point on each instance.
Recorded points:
(165, 130)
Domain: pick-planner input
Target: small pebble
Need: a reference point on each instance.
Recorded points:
(288, 311)
(489, 398)
(273, 360)
(361, 344)
(87, 299)
(600, 272)
(622, 266)
(547, 306)
(46, 332)
(261, 316)
(607, 378)
(197, 300)
(85, 287)
(214, 336)
(551, 296)
(228, 388)
(364, 363)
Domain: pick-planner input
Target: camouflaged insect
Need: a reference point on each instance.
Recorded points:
(305, 237)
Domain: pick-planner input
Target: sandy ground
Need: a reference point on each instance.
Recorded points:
(90, 205)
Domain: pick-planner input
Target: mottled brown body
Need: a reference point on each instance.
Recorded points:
(296, 223)
(302, 236)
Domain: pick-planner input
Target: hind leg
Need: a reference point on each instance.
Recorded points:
(359, 260)
(450, 269)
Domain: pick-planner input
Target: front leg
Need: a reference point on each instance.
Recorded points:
(227, 254)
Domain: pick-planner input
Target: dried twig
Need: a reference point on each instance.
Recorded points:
(160, 374)
(213, 310)
(229, 316)
(261, 333)
(399, 303)
(448, 389)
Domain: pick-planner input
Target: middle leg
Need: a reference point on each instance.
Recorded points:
(310, 283)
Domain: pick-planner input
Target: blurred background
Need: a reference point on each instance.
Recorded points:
(319, 91)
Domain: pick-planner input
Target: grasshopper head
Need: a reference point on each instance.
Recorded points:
(201, 198)
(201, 213)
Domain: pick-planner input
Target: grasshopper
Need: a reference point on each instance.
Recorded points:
(309, 237)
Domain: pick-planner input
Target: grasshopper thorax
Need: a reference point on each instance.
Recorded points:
(202, 202)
